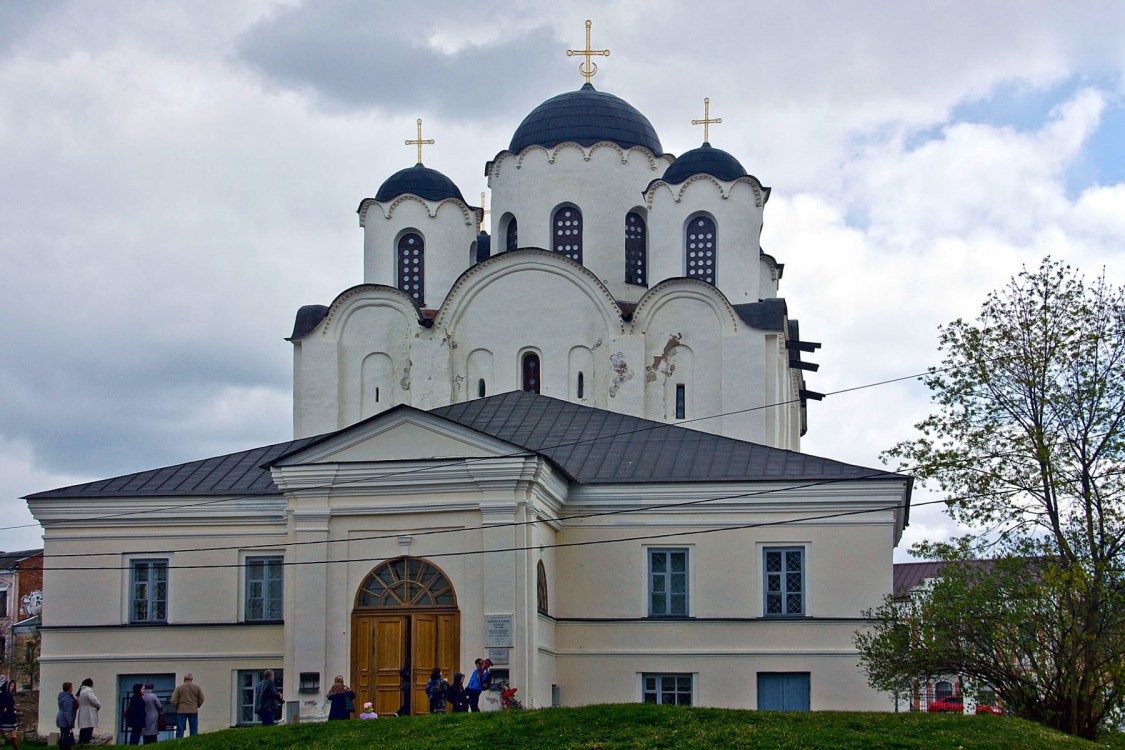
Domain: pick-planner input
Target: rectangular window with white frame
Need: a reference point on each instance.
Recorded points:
(667, 689)
(668, 583)
(784, 581)
(264, 588)
(148, 600)
(3, 602)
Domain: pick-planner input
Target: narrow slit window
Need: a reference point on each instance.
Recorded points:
(566, 237)
(581, 388)
(511, 236)
(532, 377)
(376, 395)
(699, 253)
(636, 249)
(681, 401)
(480, 388)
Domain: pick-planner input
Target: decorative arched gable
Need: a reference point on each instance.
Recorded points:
(361, 296)
(478, 278)
(673, 289)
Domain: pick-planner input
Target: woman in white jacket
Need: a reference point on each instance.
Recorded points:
(88, 706)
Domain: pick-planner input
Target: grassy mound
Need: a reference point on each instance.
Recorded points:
(642, 726)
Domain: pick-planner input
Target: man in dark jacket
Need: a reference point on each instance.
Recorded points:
(268, 702)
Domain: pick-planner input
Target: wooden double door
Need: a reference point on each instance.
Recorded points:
(393, 655)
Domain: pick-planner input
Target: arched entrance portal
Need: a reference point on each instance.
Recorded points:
(405, 623)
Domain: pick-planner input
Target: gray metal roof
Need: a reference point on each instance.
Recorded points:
(8, 560)
(591, 446)
(595, 446)
(233, 474)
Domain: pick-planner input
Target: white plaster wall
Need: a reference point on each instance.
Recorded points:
(738, 224)
(499, 315)
(603, 181)
(448, 227)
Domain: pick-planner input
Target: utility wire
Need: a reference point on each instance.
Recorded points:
(460, 461)
(525, 548)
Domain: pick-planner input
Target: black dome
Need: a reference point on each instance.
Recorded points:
(704, 160)
(586, 117)
(421, 181)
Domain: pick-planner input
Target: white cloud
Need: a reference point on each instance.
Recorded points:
(167, 206)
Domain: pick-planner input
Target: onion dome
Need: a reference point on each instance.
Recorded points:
(421, 181)
(704, 160)
(586, 116)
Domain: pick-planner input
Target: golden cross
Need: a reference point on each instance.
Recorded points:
(588, 68)
(706, 121)
(419, 142)
(483, 211)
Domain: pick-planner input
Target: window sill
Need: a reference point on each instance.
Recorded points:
(669, 617)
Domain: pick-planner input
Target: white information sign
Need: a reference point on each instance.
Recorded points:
(498, 656)
(498, 631)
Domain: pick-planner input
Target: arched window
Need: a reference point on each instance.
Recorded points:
(411, 266)
(636, 249)
(943, 689)
(699, 250)
(406, 582)
(480, 388)
(511, 235)
(566, 237)
(531, 381)
(541, 588)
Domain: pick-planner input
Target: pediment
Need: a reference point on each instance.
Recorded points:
(402, 434)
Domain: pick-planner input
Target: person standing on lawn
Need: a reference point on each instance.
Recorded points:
(9, 726)
(88, 707)
(187, 699)
(153, 709)
(342, 699)
(268, 701)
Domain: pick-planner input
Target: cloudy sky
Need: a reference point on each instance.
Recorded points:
(176, 179)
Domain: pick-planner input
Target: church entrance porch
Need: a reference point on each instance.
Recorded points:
(404, 624)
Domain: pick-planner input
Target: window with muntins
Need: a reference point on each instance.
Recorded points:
(667, 689)
(700, 249)
(566, 238)
(636, 249)
(264, 588)
(667, 583)
(531, 376)
(412, 266)
(248, 681)
(406, 582)
(785, 581)
(681, 401)
(149, 591)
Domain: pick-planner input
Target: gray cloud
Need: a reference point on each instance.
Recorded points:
(20, 17)
(357, 57)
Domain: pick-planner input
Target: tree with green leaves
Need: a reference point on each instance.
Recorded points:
(1027, 440)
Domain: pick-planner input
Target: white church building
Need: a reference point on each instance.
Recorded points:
(570, 443)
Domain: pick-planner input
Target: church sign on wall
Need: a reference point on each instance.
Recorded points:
(498, 631)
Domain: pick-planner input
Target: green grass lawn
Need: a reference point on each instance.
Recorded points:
(641, 726)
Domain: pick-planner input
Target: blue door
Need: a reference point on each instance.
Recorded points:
(783, 691)
(163, 685)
